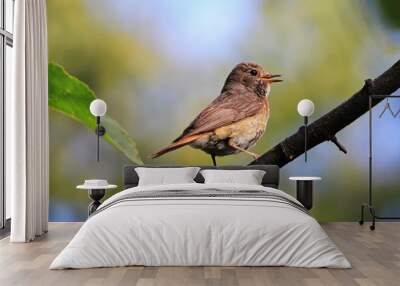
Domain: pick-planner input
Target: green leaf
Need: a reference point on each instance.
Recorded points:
(72, 97)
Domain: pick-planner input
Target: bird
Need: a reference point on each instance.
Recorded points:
(235, 120)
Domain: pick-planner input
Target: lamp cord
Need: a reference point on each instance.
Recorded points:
(305, 137)
(98, 137)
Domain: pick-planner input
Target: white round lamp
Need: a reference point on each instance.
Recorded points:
(98, 108)
(305, 108)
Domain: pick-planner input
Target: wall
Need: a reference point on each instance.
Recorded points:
(158, 63)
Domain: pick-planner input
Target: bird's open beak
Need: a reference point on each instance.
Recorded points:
(271, 77)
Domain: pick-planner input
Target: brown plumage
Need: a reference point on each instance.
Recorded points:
(235, 120)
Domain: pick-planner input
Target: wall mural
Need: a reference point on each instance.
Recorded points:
(159, 64)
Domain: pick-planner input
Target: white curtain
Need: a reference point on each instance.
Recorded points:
(27, 143)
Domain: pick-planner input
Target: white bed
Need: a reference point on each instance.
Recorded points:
(269, 229)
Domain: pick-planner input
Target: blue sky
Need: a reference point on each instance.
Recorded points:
(189, 31)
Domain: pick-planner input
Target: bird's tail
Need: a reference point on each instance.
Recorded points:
(175, 145)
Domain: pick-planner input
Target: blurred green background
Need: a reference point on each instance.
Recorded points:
(158, 63)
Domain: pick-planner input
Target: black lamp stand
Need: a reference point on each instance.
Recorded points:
(100, 131)
(305, 137)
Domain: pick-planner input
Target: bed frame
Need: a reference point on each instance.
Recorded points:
(271, 177)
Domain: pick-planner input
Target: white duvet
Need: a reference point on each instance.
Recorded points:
(200, 231)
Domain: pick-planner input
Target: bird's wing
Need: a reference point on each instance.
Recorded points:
(229, 107)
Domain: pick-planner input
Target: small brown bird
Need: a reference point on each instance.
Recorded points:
(235, 120)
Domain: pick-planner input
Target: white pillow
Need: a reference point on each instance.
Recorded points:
(248, 177)
(165, 176)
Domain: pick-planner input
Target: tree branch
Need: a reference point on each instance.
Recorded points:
(326, 127)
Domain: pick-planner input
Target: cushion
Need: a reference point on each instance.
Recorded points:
(247, 177)
(162, 176)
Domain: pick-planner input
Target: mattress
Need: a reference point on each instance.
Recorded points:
(201, 225)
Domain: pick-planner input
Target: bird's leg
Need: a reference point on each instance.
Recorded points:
(213, 159)
(254, 155)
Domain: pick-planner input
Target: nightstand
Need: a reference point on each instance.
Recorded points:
(96, 193)
(304, 190)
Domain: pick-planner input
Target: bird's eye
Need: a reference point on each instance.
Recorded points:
(253, 72)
